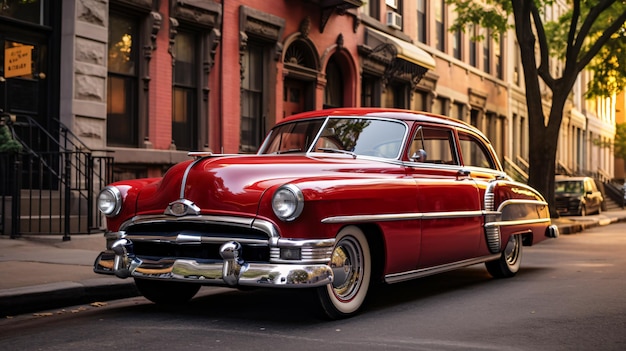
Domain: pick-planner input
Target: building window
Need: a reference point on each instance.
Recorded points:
(370, 91)
(499, 51)
(487, 52)
(372, 8)
(29, 11)
(185, 91)
(421, 21)
(440, 25)
(397, 95)
(420, 101)
(457, 48)
(252, 116)
(122, 80)
(457, 111)
(472, 47)
(516, 67)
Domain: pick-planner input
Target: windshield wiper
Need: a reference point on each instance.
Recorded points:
(339, 151)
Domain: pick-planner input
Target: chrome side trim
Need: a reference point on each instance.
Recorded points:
(418, 273)
(401, 217)
(517, 222)
(521, 202)
(453, 214)
(372, 218)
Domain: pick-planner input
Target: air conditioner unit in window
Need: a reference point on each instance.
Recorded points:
(394, 20)
(392, 3)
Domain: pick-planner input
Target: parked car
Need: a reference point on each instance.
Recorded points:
(577, 196)
(334, 200)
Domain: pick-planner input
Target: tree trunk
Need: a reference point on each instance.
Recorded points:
(543, 146)
(543, 134)
(542, 156)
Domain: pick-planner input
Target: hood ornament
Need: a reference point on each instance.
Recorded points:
(182, 207)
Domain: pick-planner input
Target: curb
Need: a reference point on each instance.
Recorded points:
(56, 295)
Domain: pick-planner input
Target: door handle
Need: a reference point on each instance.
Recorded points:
(463, 174)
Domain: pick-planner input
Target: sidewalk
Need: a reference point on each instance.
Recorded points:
(45, 272)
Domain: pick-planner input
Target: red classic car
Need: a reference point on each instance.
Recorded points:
(334, 200)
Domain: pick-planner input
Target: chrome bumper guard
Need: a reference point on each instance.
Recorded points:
(233, 271)
(552, 231)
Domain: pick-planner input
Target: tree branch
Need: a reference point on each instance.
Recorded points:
(597, 45)
(583, 32)
(544, 52)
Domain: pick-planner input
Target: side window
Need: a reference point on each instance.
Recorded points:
(474, 152)
(433, 145)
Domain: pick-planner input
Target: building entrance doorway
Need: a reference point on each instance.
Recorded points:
(23, 73)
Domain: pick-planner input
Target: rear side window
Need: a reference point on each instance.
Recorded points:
(474, 152)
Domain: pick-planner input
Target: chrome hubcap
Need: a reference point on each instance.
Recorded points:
(511, 252)
(347, 266)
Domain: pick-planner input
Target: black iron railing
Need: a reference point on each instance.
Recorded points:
(50, 186)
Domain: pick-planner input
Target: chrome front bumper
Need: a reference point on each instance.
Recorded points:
(231, 271)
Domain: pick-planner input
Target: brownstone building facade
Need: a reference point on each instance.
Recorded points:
(146, 81)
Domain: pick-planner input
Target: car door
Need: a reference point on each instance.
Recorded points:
(593, 196)
(448, 199)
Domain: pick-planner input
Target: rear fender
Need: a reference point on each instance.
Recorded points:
(510, 208)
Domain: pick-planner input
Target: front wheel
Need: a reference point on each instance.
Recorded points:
(352, 270)
(509, 262)
(166, 292)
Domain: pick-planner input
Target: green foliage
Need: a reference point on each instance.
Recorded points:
(492, 14)
(619, 143)
(7, 143)
(609, 67)
(588, 36)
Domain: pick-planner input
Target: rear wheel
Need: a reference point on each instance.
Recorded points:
(509, 262)
(351, 264)
(166, 292)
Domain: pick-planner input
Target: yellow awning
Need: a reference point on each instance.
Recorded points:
(409, 52)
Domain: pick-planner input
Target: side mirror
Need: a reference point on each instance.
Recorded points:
(419, 156)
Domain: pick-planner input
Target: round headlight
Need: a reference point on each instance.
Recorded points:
(110, 201)
(288, 202)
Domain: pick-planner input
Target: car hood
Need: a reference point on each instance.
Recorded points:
(235, 184)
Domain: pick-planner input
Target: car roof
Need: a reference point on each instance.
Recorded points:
(392, 113)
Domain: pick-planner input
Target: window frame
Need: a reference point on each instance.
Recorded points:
(132, 97)
(191, 90)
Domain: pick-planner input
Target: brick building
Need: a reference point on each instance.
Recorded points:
(149, 80)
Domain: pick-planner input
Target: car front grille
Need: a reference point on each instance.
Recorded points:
(202, 240)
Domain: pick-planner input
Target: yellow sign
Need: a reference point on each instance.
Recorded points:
(17, 61)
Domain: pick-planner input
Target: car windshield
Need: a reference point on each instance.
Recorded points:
(354, 136)
(572, 187)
